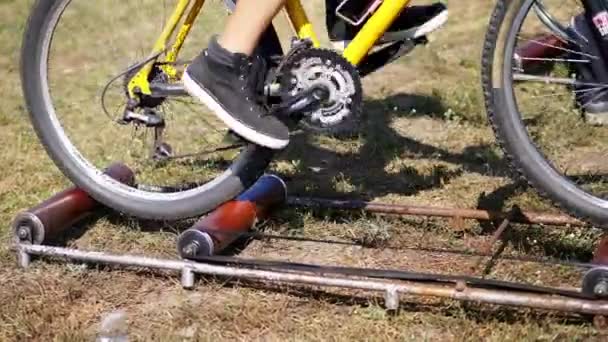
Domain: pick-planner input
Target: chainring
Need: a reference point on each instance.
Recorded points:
(313, 67)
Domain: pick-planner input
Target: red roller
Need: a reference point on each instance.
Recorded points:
(52, 217)
(216, 231)
(600, 256)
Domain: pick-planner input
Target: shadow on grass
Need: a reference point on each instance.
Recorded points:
(553, 243)
(365, 168)
(476, 312)
(538, 239)
(78, 229)
(497, 200)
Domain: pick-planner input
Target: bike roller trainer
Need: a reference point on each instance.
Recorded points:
(212, 234)
(51, 218)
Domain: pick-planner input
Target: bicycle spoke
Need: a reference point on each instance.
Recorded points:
(556, 80)
(560, 60)
(560, 48)
(580, 91)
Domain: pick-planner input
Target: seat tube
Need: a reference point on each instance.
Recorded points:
(140, 80)
(373, 29)
(300, 22)
(181, 36)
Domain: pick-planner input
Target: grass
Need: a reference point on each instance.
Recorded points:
(425, 141)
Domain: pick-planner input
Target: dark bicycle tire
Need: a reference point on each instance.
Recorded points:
(510, 131)
(244, 171)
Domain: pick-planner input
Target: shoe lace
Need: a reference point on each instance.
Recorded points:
(252, 73)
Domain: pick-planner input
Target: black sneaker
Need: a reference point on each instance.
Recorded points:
(224, 82)
(415, 22)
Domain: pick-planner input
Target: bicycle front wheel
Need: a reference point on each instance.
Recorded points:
(539, 82)
(74, 57)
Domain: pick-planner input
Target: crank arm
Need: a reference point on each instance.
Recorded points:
(300, 104)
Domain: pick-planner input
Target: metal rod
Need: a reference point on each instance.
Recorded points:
(557, 303)
(528, 217)
(487, 249)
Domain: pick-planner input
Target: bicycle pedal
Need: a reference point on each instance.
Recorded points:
(149, 118)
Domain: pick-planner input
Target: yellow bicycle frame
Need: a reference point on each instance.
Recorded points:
(356, 51)
(140, 81)
(369, 34)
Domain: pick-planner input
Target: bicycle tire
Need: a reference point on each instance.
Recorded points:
(244, 171)
(511, 134)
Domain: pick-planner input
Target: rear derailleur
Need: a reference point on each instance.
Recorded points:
(150, 118)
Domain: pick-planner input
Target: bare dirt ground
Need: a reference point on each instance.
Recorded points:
(425, 142)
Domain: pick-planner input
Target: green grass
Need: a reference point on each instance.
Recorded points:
(425, 142)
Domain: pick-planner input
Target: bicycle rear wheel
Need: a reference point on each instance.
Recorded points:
(74, 57)
(537, 93)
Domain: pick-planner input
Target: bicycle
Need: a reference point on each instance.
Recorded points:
(317, 89)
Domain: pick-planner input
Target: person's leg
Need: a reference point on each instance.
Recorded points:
(221, 76)
(246, 25)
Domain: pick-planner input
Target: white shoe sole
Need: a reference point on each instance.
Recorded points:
(420, 31)
(390, 38)
(238, 127)
(341, 45)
